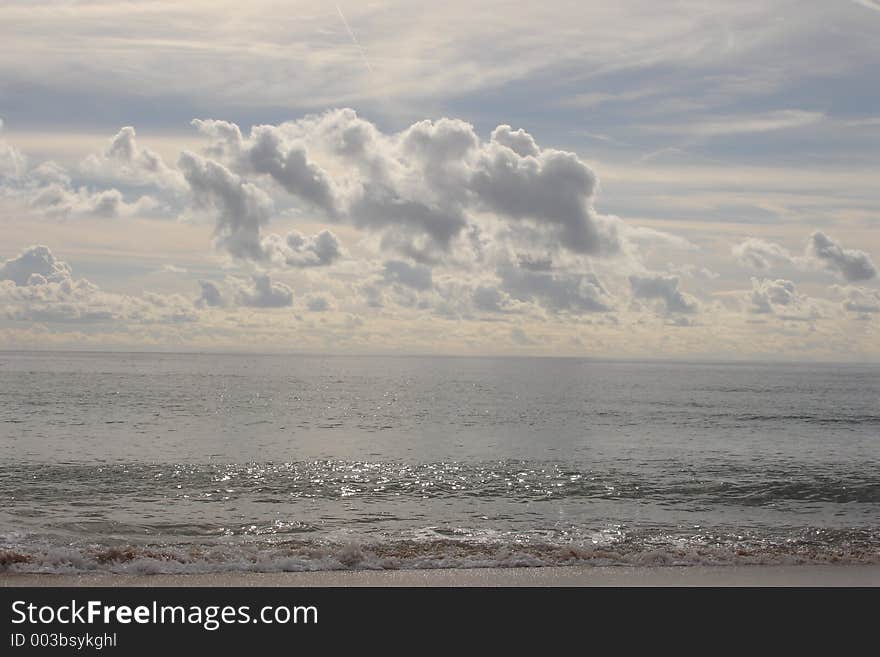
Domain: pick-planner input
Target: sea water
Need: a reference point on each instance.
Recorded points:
(206, 462)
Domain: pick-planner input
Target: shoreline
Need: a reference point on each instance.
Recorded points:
(550, 576)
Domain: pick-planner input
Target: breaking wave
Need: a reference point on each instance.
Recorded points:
(804, 547)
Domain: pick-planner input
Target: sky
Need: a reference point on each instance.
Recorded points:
(626, 179)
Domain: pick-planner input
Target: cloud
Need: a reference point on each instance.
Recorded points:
(373, 295)
(744, 124)
(665, 288)
(519, 141)
(417, 277)
(759, 254)
(490, 299)
(318, 304)
(35, 261)
(554, 190)
(12, 162)
(48, 187)
(210, 295)
(520, 337)
(124, 160)
(242, 208)
(35, 286)
(869, 4)
(766, 294)
(860, 300)
(298, 250)
(263, 293)
(268, 150)
(558, 292)
(420, 188)
(851, 264)
(59, 200)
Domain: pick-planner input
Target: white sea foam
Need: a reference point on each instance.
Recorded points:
(146, 560)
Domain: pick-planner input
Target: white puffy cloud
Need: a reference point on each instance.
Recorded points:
(456, 226)
(760, 254)
(48, 187)
(49, 172)
(35, 261)
(821, 251)
(59, 200)
(851, 264)
(12, 162)
(124, 160)
(420, 188)
(665, 288)
(263, 293)
(519, 141)
(861, 300)
(435, 193)
(298, 250)
(35, 286)
(767, 294)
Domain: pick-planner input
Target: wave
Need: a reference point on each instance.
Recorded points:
(808, 547)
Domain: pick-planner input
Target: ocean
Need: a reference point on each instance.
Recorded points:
(147, 463)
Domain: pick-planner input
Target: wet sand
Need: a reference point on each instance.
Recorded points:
(855, 575)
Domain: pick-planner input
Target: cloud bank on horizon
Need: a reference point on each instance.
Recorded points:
(328, 231)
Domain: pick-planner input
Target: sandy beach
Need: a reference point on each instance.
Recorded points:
(855, 575)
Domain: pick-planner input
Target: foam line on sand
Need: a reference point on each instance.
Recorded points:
(854, 575)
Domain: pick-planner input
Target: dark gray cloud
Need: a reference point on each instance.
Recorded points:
(851, 264)
(267, 151)
(554, 189)
(242, 208)
(373, 295)
(665, 288)
(210, 295)
(489, 299)
(381, 207)
(417, 277)
(558, 292)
